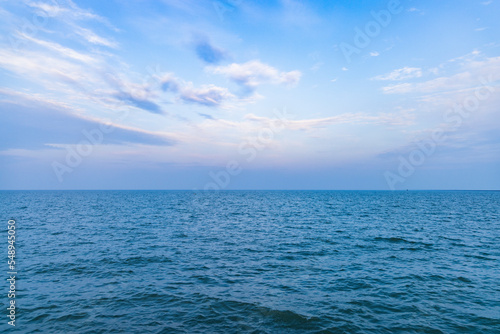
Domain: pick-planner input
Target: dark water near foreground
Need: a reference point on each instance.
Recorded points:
(254, 262)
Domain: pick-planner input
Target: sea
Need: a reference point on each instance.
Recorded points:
(253, 261)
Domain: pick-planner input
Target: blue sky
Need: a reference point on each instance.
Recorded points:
(235, 94)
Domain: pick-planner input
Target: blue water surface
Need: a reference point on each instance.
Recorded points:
(254, 261)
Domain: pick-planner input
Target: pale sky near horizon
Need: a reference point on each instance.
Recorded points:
(232, 94)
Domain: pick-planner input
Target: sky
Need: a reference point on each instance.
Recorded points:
(232, 94)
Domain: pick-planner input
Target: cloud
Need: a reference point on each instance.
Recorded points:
(137, 95)
(207, 52)
(254, 73)
(374, 54)
(82, 74)
(70, 12)
(416, 10)
(297, 13)
(139, 102)
(72, 15)
(206, 95)
(93, 38)
(33, 122)
(401, 118)
(401, 74)
(472, 73)
(42, 67)
(96, 79)
(61, 50)
(206, 116)
(50, 10)
(317, 66)
(62, 66)
(397, 89)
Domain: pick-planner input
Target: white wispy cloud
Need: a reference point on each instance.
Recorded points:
(40, 66)
(416, 10)
(93, 38)
(208, 95)
(73, 17)
(61, 50)
(298, 13)
(472, 73)
(404, 73)
(398, 88)
(48, 9)
(251, 74)
(79, 75)
(67, 10)
(401, 118)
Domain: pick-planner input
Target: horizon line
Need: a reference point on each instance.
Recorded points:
(220, 190)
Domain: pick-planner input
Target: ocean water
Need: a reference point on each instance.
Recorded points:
(254, 261)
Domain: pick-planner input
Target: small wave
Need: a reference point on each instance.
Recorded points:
(74, 316)
(411, 248)
(288, 317)
(325, 240)
(401, 240)
(480, 257)
(39, 318)
(464, 279)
